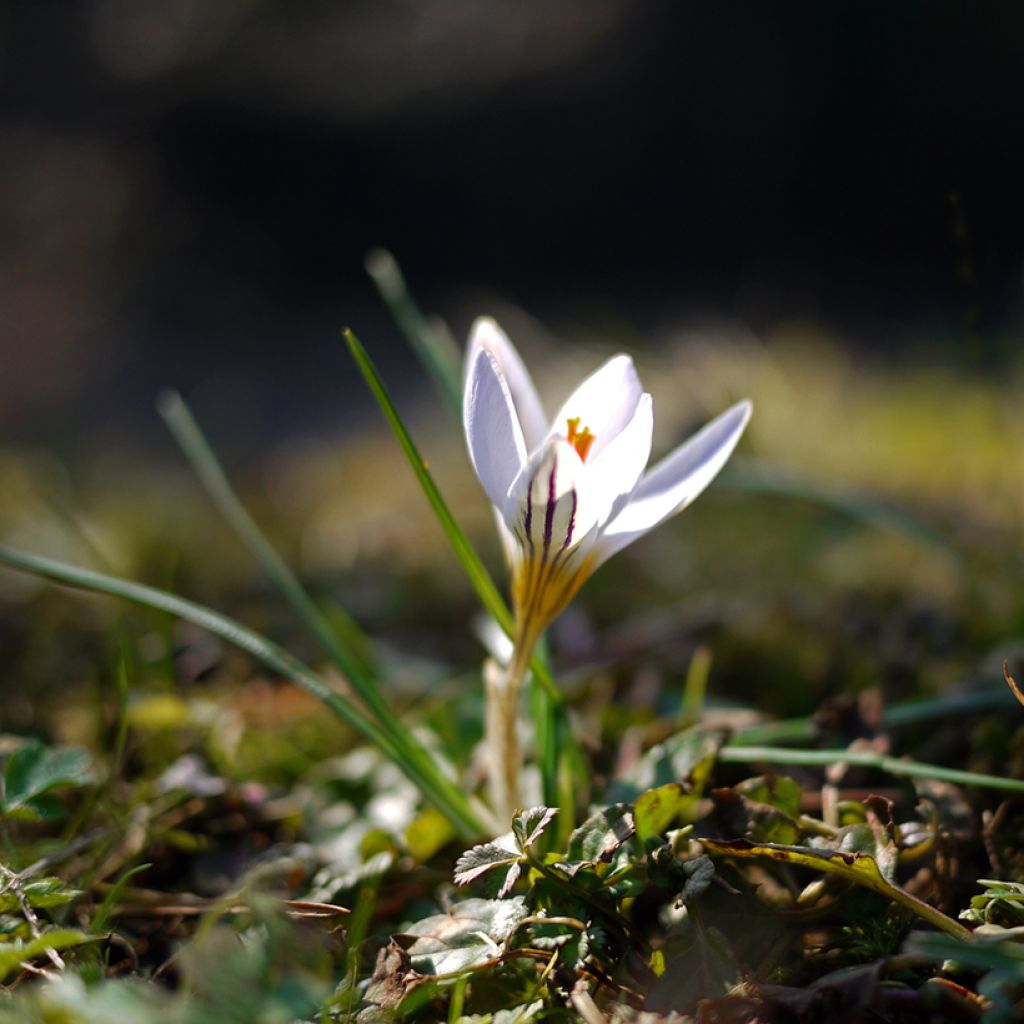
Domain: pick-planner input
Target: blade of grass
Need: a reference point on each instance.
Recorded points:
(470, 560)
(439, 356)
(546, 726)
(98, 925)
(447, 797)
(434, 347)
(695, 687)
(186, 431)
(795, 730)
(867, 759)
(204, 462)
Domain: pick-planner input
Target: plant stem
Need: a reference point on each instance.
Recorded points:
(501, 734)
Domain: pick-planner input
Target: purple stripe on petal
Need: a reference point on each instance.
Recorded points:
(549, 515)
(572, 520)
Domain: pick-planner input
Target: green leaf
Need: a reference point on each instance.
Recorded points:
(859, 868)
(1001, 903)
(501, 853)
(34, 770)
(528, 826)
(688, 757)
(765, 809)
(984, 955)
(472, 933)
(14, 953)
(42, 894)
(779, 791)
(602, 834)
(659, 808)
(272, 655)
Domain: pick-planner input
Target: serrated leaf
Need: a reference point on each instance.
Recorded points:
(859, 868)
(16, 952)
(500, 853)
(42, 894)
(601, 835)
(35, 769)
(473, 933)
(529, 826)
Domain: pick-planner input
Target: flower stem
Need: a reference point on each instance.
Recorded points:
(504, 759)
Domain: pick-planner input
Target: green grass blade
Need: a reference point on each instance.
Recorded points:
(98, 925)
(545, 738)
(695, 687)
(353, 665)
(867, 759)
(433, 345)
(470, 560)
(796, 730)
(446, 796)
(439, 355)
(204, 462)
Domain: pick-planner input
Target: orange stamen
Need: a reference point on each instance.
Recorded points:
(581, 440)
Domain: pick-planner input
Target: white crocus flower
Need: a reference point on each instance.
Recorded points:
(569, 493)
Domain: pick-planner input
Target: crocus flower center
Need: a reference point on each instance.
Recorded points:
(581, 440)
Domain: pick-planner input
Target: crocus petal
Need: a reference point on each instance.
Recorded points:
(493, 434)
(486, 334)
(675, 481)
(604, 403)
(549, 507)
(555, 526)
(617, 469)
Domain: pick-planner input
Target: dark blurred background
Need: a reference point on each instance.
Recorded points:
(188, 187)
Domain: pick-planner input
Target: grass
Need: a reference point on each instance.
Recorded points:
(803, 671)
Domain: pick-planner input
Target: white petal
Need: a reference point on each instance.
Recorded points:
(493, 434)
(617, 469)
(549, 506)
(675, 481)
(486, 334)
(509, 545)
(605, 402)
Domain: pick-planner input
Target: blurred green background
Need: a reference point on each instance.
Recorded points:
(814, 207)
